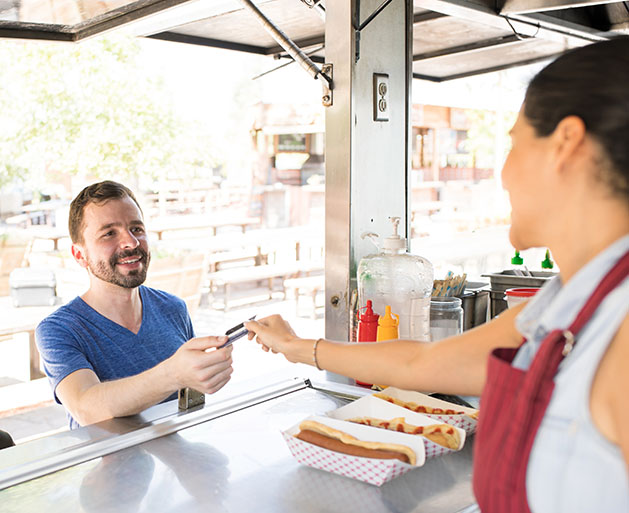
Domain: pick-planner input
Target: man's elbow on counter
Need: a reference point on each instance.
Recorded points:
(90, 415)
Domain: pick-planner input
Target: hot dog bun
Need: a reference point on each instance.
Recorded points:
(442, 434)
(418, 408)
(327, 437)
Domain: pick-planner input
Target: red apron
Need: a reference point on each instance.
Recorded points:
(513, 404)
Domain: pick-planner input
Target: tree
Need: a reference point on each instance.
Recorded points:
(88, 109)
(487, 137)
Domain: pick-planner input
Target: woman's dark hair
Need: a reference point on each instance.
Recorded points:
(98, 193)
(591, 82)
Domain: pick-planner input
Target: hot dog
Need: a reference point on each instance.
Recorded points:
(418, 408)
(442, 434)
(329, 438)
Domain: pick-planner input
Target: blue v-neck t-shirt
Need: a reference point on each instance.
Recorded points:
(77, 337)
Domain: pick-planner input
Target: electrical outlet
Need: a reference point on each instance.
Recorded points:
(381, 104)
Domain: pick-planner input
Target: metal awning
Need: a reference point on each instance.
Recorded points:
(451, 38)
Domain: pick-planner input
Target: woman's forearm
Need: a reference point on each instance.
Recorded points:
(454, 365)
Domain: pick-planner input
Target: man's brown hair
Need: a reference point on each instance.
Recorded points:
(98, 193)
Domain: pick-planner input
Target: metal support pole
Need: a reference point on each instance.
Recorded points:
(366, 160)
(285, 42)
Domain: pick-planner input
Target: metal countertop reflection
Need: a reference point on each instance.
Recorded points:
(225, 457)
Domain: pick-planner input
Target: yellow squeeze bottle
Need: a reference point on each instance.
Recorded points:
(388, 325)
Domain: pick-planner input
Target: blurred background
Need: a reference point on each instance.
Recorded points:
(226, 155)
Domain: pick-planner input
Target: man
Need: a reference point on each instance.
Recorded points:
(121, 347)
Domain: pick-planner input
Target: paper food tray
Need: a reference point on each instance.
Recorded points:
(370, 406)
(369, 470)
(465, 422)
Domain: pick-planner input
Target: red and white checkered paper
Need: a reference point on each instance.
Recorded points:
(369, 470)
(465, 422)
(370, 406)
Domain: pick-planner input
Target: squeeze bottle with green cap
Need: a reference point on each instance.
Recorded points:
(387, 325)
(517, 259)
(404, 282)
(547, 263)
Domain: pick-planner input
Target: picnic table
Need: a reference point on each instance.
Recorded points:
(42, 211)
(308, 286)
(272, 240)
(227, 278)
(14, 320)
(221, 259)
(257, 246)
(180, 223)
(49, 233)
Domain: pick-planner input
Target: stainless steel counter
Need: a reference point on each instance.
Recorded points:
(227, 456)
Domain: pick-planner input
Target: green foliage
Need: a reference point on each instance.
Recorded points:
(486, 128)
(88, 109)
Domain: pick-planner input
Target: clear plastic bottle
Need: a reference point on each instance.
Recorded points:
(403, 281)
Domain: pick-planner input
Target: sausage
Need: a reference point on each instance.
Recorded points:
(328, 442)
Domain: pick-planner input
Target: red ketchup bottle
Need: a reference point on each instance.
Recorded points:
(367, 329)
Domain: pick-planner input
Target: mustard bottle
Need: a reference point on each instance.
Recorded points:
(388, 325)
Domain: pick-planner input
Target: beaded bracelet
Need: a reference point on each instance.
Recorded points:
(314, 353)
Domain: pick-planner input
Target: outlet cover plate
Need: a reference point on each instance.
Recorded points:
(381, 103)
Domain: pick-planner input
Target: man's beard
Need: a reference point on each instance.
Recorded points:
(107, 271)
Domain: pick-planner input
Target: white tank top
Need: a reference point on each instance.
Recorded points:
(572, 467)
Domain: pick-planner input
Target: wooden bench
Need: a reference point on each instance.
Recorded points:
(221, 259)
(181, 276)
(306, 286)
(226, 278)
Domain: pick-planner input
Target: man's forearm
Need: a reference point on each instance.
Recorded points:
(126, 396)
(89, 400)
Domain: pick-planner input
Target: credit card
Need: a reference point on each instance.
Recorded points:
(236, 332)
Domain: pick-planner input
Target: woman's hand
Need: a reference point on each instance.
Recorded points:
(273, 334)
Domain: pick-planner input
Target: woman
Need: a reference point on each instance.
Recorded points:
(554, 373)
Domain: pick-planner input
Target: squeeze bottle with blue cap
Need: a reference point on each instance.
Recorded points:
(404, 282)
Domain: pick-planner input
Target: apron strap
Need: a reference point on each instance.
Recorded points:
(617, 273)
